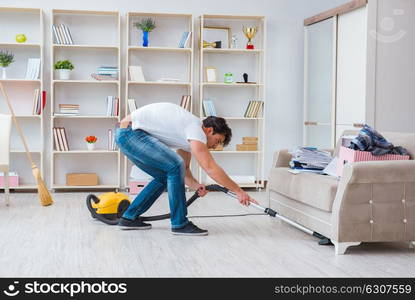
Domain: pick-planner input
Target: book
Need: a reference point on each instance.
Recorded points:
(187, 41)
(64, 35)
(102, 77)
(209, 108)
(33, 68)
(55, 35)
(131, 105)
(55, 137)
(60, 139)
(113, 104)
(244, 147)
(60, 34)
(35, 102)
(186, 102)
(67, 34)
(184, 41)
(109, 145)
(136, 73)
(65, 140)
(43, 102)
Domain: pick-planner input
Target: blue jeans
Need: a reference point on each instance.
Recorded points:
(164, 165)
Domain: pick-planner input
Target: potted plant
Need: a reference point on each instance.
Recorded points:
(64, 67)
(90, 142)
(146, 25)
(6, 58)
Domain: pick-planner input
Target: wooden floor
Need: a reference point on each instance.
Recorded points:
(64, 241)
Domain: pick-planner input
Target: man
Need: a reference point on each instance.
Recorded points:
(147, 138)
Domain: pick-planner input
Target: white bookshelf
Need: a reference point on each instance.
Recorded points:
(231, 99)
(96, 37)
(28, 21)
(161, 59)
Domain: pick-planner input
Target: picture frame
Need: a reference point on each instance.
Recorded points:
(216, 33)
(211, 74)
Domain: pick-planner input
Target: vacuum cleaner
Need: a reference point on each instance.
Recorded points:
(109, 208)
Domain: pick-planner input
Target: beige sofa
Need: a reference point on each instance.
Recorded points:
(372, 201)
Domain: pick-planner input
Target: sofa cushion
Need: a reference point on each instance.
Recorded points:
(315, 190)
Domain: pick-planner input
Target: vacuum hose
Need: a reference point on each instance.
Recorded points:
(92, 197)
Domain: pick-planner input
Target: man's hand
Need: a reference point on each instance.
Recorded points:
(244, 198)
(201, 190)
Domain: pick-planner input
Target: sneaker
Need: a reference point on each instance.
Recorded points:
(189, 229)
(126, 224)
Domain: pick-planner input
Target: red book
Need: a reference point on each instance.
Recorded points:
(43, 103)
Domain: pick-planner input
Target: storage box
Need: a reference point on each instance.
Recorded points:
(243, 147)
(137, 186)
(250, 140)
(349, 155)
(13, 181)
(82, 179)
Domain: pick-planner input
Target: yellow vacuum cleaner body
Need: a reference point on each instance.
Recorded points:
(108, 207)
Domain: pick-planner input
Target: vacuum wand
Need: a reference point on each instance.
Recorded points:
(266, 210)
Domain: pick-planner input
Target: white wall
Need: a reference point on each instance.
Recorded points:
(284, 51)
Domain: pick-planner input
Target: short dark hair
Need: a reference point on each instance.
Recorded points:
(219, 126)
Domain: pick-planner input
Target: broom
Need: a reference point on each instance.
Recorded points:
(44, 195)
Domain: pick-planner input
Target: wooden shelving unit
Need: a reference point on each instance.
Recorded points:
(28, 21)
(231, 99)
(96, 36)
(162, 58)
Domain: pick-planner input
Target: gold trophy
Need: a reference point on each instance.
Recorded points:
(250, 32)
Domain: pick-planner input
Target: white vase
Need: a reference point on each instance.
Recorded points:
(64, 74)
(3, 71)
(91, 146)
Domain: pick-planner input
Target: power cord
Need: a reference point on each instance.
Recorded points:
(233, 215)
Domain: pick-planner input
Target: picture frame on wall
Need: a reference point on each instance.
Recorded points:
(211, 74)
(215, 33)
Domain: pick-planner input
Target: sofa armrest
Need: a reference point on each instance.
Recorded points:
(374, 202)
(281, 159)
(386, 171)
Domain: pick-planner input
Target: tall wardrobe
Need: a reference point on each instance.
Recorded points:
(359, 68)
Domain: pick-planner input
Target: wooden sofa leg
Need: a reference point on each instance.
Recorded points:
(340, 248)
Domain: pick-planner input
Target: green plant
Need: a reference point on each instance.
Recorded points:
(64, 64)
(6, 58)
(147, 24)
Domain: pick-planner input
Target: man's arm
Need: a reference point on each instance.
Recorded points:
(189, 179)
(206, 161)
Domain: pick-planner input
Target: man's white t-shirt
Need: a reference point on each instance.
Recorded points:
(170, 123)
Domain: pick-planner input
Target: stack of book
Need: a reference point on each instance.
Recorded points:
(249, 143)
(112, 146)
(113, 106)
(39, 102)
(184, 41)
(254, 109)
(68, 110)
(209, 108)
(62, 35)
(59, 136)
(186, 102)
(33, 68)
(108, 71)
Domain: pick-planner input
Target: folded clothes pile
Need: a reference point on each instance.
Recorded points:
(371, 140)
(309, 158)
